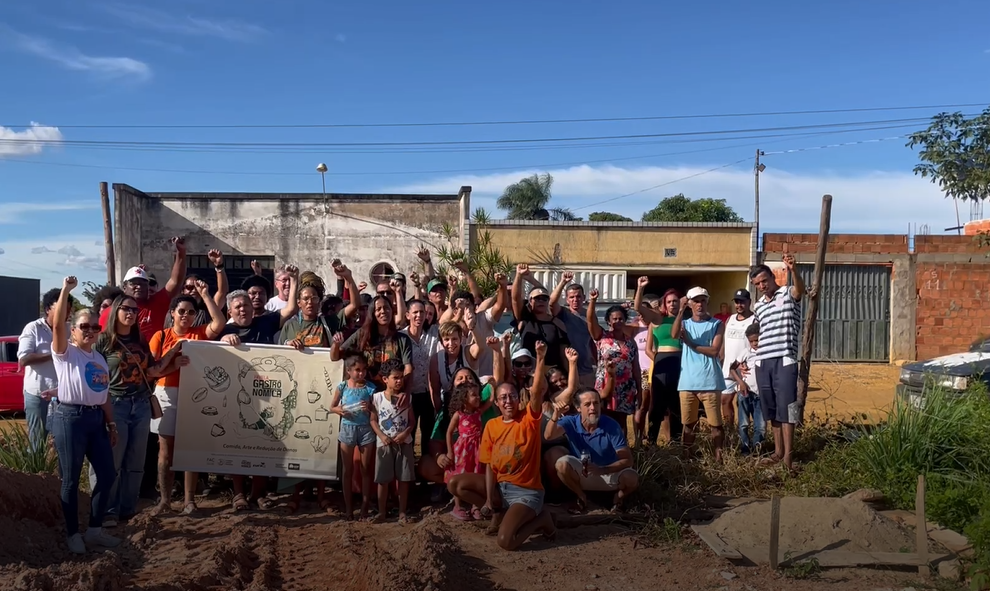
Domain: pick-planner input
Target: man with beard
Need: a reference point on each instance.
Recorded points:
(153, 308)
(535, 319)
(574, 319)
(600, 459)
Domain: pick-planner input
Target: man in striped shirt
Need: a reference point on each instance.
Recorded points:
(779, 313)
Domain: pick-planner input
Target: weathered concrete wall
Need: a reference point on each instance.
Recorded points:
(630, 245)
(940, 298)
(304, 230)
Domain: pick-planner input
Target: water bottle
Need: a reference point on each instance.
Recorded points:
(585, 460)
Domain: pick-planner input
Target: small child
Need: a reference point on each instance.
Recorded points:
(466, 423)
(352, 401)
(743, 371)
(394, 426)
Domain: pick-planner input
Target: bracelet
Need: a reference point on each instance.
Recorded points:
(111, 426)
(218, 267)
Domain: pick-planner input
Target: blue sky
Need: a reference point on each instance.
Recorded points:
(226, 62)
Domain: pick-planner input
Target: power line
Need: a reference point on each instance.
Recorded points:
(459, 143)
(511, 122)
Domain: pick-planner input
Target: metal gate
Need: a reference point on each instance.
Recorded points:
(853, 314)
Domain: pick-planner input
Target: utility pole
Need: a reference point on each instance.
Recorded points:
(757, 169)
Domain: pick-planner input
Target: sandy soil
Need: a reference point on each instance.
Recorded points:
(261, 551)
(844, 390)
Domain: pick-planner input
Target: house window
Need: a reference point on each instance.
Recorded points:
(669, 253)
(238, 269)
(381, 272)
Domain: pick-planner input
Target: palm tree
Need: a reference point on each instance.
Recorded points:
(528, 199)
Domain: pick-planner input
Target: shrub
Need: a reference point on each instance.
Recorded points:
(16, 452)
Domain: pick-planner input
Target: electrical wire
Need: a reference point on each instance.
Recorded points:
(511, 122)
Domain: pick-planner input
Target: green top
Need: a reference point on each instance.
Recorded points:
(128, 363)
(661, 334)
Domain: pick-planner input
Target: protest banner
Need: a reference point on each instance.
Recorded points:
(257, 410)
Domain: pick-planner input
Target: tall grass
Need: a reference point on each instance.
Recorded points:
(16, 452)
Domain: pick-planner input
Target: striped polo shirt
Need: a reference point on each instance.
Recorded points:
(780, 325)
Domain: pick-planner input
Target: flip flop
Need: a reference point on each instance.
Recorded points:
(578, 507)
(264, 503)
(240, 503)
(189, 509)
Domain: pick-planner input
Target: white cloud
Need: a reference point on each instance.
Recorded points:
(70, 251)
(149, 18)
(73, 59)
(14, 213)
(25, 258)
(28, 141)
(882, 202)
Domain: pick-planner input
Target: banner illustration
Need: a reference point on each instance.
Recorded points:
(257, 410)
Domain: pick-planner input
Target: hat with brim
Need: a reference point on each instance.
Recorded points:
(434, 284)
(135, 273)
(697, 292)
(520, 353)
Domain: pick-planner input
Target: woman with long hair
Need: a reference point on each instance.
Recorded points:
(618, 346)
(184, 310)
(378, 340)
(665, 401)
(82, 421)
(132, 370)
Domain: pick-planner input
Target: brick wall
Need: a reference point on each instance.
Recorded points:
(837, 243)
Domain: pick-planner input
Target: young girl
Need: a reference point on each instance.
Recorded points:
(466, 423)
(352, 400)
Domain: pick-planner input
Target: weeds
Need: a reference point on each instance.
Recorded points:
(657, 530)
(16, 452)
(802, 569)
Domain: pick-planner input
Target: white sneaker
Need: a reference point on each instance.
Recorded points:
(109, 521)
(76, 545)
(95, 536)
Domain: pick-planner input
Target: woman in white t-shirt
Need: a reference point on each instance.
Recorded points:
(81, 421)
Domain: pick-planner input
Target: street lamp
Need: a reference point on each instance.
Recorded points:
(322, 169)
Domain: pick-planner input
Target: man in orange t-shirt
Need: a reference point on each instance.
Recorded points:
(511, 489)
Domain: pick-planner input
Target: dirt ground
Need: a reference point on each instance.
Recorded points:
(219, 550)
(842, 390)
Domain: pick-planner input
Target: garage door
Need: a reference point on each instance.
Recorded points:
(854, 313)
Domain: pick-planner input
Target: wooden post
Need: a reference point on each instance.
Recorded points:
(921, 530)
(774, 531)
(812, 297)
(108, 235)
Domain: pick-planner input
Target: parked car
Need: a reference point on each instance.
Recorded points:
(956, 372)
(11, 377)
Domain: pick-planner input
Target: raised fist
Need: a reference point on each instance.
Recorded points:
(593, 295)
(643, 281)
(216, 257)
(70, 283)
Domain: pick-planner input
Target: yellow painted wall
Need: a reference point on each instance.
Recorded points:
(722, 286)
(624, 247)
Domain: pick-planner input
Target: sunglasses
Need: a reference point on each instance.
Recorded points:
(184, 312)
(128, 310)
(89, 327)
(526, 363)
(541, 299)
(384, 294)
(189, 287)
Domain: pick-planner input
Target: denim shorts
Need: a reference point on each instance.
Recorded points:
(356, 435)
(517, 495)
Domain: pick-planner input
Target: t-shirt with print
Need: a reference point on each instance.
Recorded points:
(352, 397)
(128, 363)
(552, 332)
(734, 340)
(83, 378)
(601, 445)
(392, 419)
(421, 354)
(262, 331)
(163, 341)
(395, 346)
(512, 449)
(747, 358)
(312, 333)
(151, 314)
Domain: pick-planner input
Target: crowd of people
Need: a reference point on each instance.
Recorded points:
(549, 406)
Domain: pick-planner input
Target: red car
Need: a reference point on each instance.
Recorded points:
(11, 377)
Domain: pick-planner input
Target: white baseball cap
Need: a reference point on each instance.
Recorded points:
(135, 273)
(520, 353)
(697, 292)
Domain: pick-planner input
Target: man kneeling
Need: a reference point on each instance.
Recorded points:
(600, 459)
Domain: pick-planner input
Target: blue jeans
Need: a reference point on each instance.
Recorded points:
(80, 432)
(133, 417)
(36, 413)
(746, 406)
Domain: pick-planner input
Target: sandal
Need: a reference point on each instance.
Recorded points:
(292, 506)
(578, 507)
(770, 461)
(240, 503)
(461, 515)
(264, 503)
(189, 509)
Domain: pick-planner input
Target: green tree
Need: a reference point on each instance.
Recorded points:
(955, 153)
(528, 200)
(681, 209)
(607, 216)
(89, 290)
(485, 260)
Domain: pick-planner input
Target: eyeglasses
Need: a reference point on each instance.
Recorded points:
(309, 300)
(189, 287)
(507, 398)
(89, 327)
(128, 310)
(184, 312)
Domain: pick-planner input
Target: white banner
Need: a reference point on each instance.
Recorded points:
(257, 410)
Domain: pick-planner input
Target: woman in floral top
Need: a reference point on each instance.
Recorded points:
(617, 347)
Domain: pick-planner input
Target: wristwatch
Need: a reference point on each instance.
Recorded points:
(219, 267)
(111, 426)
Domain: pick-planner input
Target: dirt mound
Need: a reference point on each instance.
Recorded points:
(102, 574)
(30, 496)
(31, 519)
(813, 524)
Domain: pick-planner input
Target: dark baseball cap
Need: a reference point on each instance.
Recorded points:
(742, 295)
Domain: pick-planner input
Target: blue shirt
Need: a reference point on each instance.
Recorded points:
(700, 373)
(580, 338)
(602, 444)
(349, 396)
